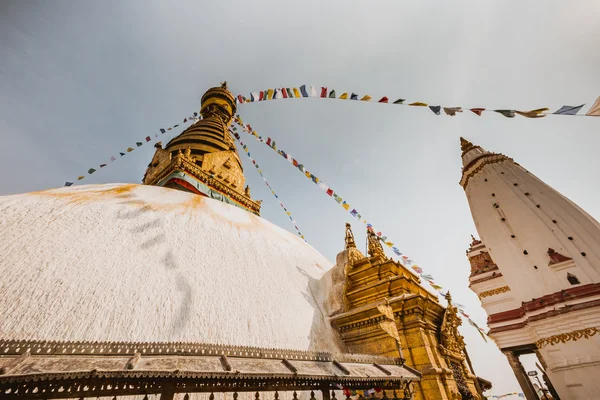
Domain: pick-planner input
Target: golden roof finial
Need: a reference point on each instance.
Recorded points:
(448, 297)
(224, 85)
(349, 237)
(375, 247)
(465, 145)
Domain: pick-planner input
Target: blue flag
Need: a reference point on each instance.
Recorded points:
(303, 91)
(569, 110)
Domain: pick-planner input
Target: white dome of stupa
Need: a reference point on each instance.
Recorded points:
(133, 263)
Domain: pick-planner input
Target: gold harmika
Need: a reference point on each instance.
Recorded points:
(565, 337)
(494, 292)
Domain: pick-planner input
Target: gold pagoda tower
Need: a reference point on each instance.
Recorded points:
(203, 159)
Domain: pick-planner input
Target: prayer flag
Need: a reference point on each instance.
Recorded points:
(568, 110)
(308, 174)
(91, 171)
(415, 267)
(427, 276)
(122, 154)
(295, 162)
(268, 141)
(169, 129)
(595, 110)
(184, 120)
(436, 287)
(477, 111)
(270, 94)
(344, 96)
(323, 186)
(506, 113)
(313, 91)
(80, 177)
(346, 206)
(129, 149)
(112, 158)
(366, 97)
(396, 251)
(261, 95)
(330, 192)
(195, 114)
(284, 93)
(68, 183)
(332, 94)
(399, 101)
(148, 138)
(383, 100)
(254, 96)
(162, 130)
(354, 96)
(533, 113)
(139, 144)
(354, 212)
(418, 104)
(297, 93)
(240, 98)
(102, 165)
(175, 126)
(323, 92)
(289, 93)
(435, 109)
(388, 244)
(301, 168)
(276, 95)
(314, 178)
(303, 91)
(451, 111)
(337, 198)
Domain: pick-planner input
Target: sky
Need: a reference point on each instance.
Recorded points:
(81, 81)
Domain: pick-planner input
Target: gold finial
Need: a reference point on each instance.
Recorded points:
(349, 237)
(224, 85)
(448, 297)
(465, 145)
(247, 190)
(375, 247)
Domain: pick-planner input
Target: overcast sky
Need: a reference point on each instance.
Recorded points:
(81, 81)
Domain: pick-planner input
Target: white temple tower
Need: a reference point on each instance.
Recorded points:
(536, 271)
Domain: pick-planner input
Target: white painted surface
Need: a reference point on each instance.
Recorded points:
(141, 263)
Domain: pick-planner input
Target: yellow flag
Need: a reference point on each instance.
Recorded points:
(129, 149)
(389, 244)
(366, 97)
(288, 213)
(344, 96)
(346, 206)
(418, 104)
(533, 113)
(297, 93)
(80, 177)
(270, 94)
(307, 174)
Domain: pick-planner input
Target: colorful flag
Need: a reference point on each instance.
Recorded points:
(175, 126)
(297, 93)
(354, 96)
(399, 101)
(139, 144)
(396, 251)
(195, 114)
(388, 244)
(148, 138)
(112, 158)
(366, 97)
(102, 165)
(68, 183)
(506, 113)
(240, 98)
(303, 90)
(122, 154)
(595, 110)
(332, 94)
(533, 113)
(451, 111)
(435, 109)
(80, 177)
(323, 92)
(383, 100)
(129, 149)
(276, 94)
(418, 104)
(415, 267)
(436, 287)
(354, 212)
(184, 120)
(270, 94)
(254, 96)
(284, 93)
(169, 129)
(162, 130)
(346, 206)
(91, 171)
(344, 96)
(477, 111)
(330, 192)
(289, 93)
(313, 91)
(568, 110)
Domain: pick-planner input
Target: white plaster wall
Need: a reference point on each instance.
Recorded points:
(142, 263)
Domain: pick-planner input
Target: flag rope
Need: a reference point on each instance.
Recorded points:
(324, 93)
(147, 139)
(404, 260)
(253, 161)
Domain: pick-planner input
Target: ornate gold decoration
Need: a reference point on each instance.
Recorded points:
(375, 248)
(494, 292)
(450, 339)
(349, 237)
(566, 337)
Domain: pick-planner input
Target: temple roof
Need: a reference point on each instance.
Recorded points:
(134, 263)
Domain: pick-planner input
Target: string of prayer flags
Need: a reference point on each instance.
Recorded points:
(253, 161)
(404, 260)
(568, 110)
(435, 109)
(325, 92)
(130, 149)
(594, 111)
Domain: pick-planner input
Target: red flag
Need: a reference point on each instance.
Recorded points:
(285, 96)
(184, 120)
(268, 141)
(148, 138)
(240, 98)
(383, 100)
(102, 165)
(261, 95)
(323, 92)
(295, 162)
(378, 233)
(330, 192)
(477, 111)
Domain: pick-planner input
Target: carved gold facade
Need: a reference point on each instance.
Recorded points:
(384, 310)
(203, 158)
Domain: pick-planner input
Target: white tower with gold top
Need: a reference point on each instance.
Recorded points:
(536, 271)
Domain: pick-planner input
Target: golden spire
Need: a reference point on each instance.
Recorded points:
(349, 237)
(375, 249)
(465, 145)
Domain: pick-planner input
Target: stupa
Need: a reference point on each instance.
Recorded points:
(536, 271)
